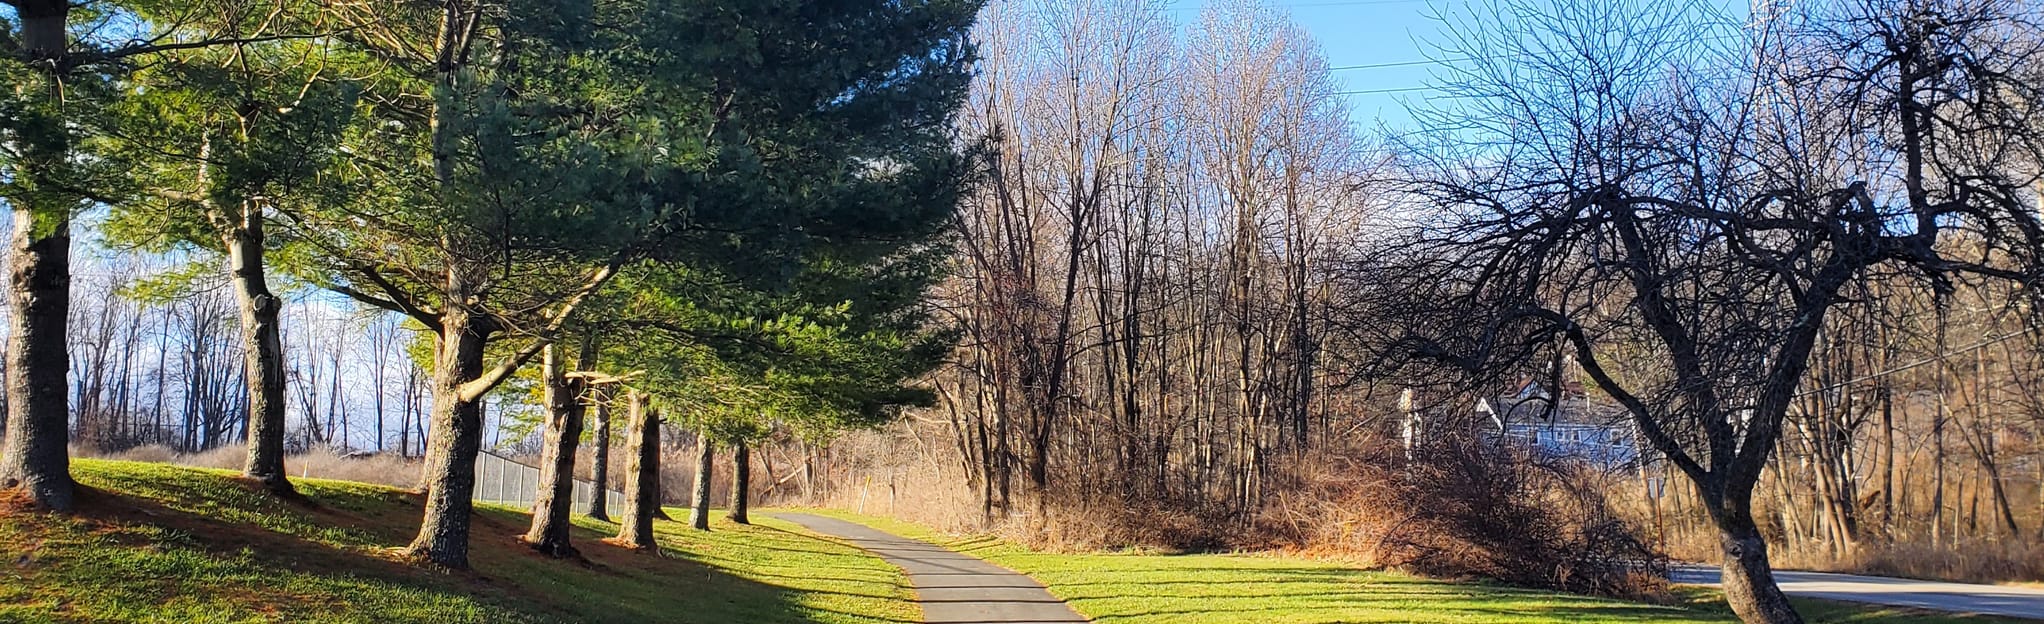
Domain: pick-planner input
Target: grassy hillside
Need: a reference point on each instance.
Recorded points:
(156, 543)
(1215, 589)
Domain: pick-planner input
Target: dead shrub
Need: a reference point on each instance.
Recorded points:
(1965, 559)
(153, 453)
(678, 477)
(883, 473)
(1114, 522)
(383, 469)
(1464, 511)
(1904, 549)
(1973, 560)
(319, 463)
(225, 458)
(880, 473)
(1467, 508)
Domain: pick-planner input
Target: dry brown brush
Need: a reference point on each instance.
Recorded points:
(1467, 509)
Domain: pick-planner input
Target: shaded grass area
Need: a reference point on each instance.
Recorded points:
(156, 543)
(1137, 588)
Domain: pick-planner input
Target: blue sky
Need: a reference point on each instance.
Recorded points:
(1365, 32)
(1394, 37)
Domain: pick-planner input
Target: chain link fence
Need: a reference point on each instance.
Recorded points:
(502, 481)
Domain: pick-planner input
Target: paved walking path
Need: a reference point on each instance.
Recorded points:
(953, 588)
(1956, 597)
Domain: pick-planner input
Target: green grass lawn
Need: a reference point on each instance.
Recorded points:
(155, 543)
(1219, 588)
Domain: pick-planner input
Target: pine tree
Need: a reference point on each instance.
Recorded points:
(218, 139)
(65, 62)
(518, 154)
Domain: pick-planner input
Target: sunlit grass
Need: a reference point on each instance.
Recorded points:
(1115, 588)
(155, 543)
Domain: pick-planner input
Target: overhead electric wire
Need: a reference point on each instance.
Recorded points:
(1317, 5)
(1396, 64)
(1394, 90)
(1921, 363)
(1453, 60)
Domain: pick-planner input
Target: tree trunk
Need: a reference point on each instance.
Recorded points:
(262, 350)
(404, 418)
(454, 439)
(1887, 462)
(36, 456)
(706, 465)
(553, 502)
(642, 475)
(599, 470)
(43, 24)
(37, 459)
(2001, 499)
(741, 482)
(1937, 496)
(1748, 577)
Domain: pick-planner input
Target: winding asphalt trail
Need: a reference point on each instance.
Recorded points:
(2020, 602)
(956, 588)
(953, 588)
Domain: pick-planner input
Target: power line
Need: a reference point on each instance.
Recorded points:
(1920, 363)
(1317, 5)
(1492, 57)
(1377, 91)
(1395, 64)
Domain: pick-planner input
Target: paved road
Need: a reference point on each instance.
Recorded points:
(953, 588)
(1955, 597)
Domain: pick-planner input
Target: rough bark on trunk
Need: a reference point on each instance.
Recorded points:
(37, 459)
(741, 482)
(1887, 461)
(262, 350)
(42, 28)
(706, 464)
(551, 504)
(454, 440)
(642, 475)
(1747, 575)
(599, 471)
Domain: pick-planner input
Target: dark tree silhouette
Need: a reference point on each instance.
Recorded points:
(1680, 217)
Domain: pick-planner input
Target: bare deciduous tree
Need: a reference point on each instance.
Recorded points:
(1683, 218)
(1149, 236)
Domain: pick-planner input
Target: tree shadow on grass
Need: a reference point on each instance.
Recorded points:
(1130, 592)
(193, 547)
(819, 542)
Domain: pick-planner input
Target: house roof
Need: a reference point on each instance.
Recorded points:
(1533, 404)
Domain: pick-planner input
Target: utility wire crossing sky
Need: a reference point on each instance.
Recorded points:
(1383, 52)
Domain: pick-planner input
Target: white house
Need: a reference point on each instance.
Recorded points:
(1570, 426)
